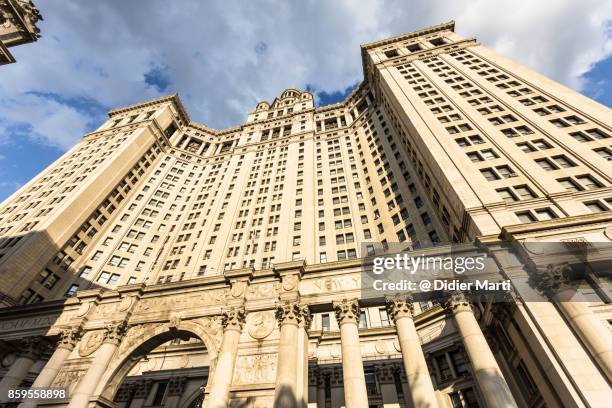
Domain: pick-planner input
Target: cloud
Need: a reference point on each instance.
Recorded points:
(224, 57)
(158, 77)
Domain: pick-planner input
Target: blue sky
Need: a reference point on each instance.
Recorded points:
(224, 57)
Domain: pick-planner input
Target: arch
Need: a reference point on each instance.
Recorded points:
(153, 336)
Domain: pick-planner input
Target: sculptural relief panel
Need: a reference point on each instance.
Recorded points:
(182, 301)
(255, 369)
(260, 324)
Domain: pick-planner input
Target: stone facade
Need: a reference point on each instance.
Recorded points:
(163, 263)
(18, 20)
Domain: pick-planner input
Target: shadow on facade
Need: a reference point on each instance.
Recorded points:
(285, 398)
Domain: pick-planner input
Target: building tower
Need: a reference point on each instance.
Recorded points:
(18, 20)
(264, 227)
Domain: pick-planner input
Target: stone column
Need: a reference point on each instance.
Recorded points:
(422, 392)
(386, 381)
(142, 391)
(487, 373)
(85, 388)
(67, 341)
(233, 321)
(556, 282)
(303, 388)
(289, 317)
(355, 393)
(176, 386)
(28, 353)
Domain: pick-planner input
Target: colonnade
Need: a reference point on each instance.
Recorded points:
(291, 388)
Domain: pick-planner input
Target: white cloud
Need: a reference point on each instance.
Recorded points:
(225, 56)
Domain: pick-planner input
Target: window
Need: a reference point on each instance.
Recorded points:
(545, 214)
(595, 207)
(388, 54)
(524, 192)
(563, 161)
(72, 290)
(363, 321)
(604, 152)
(444, 370)
(541, 144)
(160, 393)
(569, 184)
(506, 194)
(323, 257)
(489, 154)
(325, 322)
(475, 157)
(546, 164)
(384, 317)
(489, 174)
(506, 171)
(588, 182)
(525, 217)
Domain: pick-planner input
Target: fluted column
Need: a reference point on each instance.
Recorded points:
(28, 354)
(67, 341)
(556, 282)
(355, 393)
(422, 392)
(491, 382)
(303, 394)
(112, 337)
(233, 321)
(289, 317)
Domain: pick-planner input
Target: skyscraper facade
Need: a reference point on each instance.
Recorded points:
(176, 265)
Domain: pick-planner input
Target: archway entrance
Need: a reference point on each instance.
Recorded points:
(167, 369)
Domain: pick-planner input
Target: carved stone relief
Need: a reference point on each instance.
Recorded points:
(260, 324)
(255, 369)
(90, 342)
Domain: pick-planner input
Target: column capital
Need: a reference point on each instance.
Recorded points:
(457, 302)
(31, 347)
(68, 338)
(288, 312)
(306, 316)
(233, 318)
(400, 306)
(114, 332)
(552, 278)
(347, 311)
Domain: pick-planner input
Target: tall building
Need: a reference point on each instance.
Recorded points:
(18, 20)
(176, 263)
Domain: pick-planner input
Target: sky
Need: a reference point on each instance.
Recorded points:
(223, 57)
